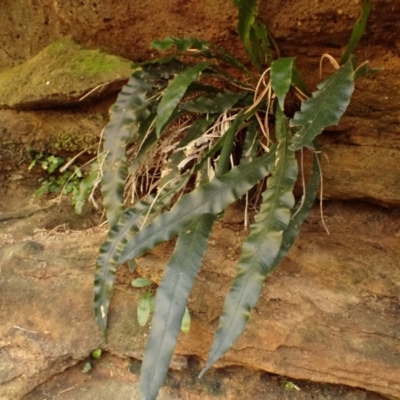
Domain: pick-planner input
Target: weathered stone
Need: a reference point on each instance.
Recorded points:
(111, 374)
(363, 172)
(63, 73)
(357, 163)
(41, 336)
(329, 313)
(65, 133)
(128, 28)
(360, 156)
(331, 310)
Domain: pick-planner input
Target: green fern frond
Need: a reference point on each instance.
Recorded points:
(261, 247)
(118, 236)
(171, 299)
(125, 118)
(281, 78)
(175, 92)
(325, 108)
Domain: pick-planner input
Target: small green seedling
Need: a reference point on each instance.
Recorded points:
(96, 354)
(290, 386)
(147, 302)
(86, 368)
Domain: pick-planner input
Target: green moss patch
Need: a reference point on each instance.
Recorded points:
(61, 74)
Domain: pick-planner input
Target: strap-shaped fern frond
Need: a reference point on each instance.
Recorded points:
(133, 106)
(281, 78)
(261, 247)
(171, 299)
(174, 93)
(248, 11)
(198, 48)
(124, 121)
(325, 108)
(110, 251)
(358, 30)
(300, 211)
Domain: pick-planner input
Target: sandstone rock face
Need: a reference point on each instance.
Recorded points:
(329, 313)
(59, 132)
(127, 29)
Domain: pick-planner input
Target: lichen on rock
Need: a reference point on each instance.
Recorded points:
(63, 73)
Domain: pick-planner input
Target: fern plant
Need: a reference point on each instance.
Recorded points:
(188, 138)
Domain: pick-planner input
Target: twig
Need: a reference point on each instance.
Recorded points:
(67, 390)
(22, 329)
(101, 87)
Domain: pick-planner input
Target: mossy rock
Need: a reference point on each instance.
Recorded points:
(63, 73)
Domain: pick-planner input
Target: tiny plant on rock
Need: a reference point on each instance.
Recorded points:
(58, 181)
(146, 305)
(194, 132)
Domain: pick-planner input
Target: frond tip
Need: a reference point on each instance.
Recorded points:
(261, 247)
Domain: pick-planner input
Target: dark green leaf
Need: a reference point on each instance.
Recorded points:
(124, 121)
(325, 108)
(203, 49)
(219, 103)
(300, 212)
(262, 35)
(248, 11)
(180, 44)
(358, 30)
(160, 73)
(211, 198)
(365, 69)
(256, 47)
(262, 246)
(225, 56)
(223, 74)
(130, 222)
(196, 87)
(171, 299)
(107, 262)
(281, 78)
(174, 93)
